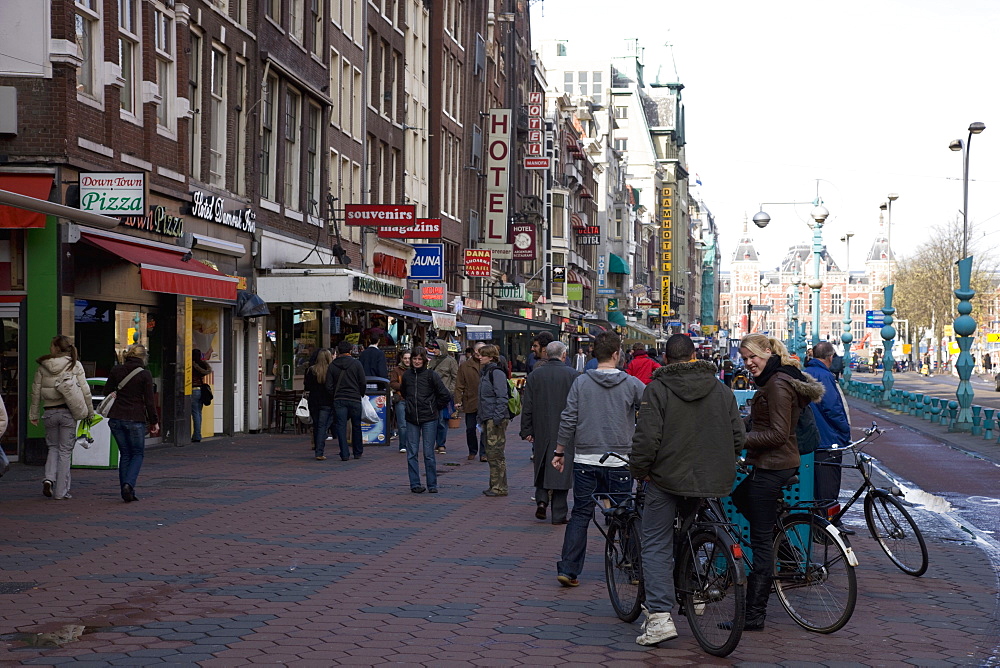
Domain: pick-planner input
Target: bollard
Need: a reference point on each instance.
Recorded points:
(918, 405)
(988, 423)
(977, 427)
(926, 410)
(936, 409)
(952, 414)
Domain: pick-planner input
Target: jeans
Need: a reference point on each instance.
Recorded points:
(658, 548)
(131, 438)
(60, 435)
(756, 498)
(402, 427)
(322, 416)
(442, 431)
(427, 432)
(196, 408)
(587, 481)
(347, 409)
(471, 437)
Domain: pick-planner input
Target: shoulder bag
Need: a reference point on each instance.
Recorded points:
(104, 408)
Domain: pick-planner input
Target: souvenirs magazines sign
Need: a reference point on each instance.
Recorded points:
(380, 215)
(426, 228)
(478, 262)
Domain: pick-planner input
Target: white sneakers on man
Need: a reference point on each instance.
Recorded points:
(657, 628)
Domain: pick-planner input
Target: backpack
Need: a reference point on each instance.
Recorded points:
(837, 365)
(806, 431)
(513, 399)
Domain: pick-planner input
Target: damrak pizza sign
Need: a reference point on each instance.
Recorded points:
(426, 228)
(380, 215)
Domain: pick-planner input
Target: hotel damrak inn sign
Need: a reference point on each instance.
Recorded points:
(213, 208)
(113, 193)
(380, 215)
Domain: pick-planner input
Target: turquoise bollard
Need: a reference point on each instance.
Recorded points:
(988, 423)
(926, 410)
(977, 427)
(936, 409)
(952, 414)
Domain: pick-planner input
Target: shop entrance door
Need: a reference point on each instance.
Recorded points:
(10, 377)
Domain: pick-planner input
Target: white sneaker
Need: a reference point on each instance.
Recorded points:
(402, 449)
(657, 628)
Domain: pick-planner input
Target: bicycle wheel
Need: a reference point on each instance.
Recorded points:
(623, 568)
(812, 576)
(897, 533)
(709, 589)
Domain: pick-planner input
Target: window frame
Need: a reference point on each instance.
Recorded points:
(291, 137)
(218, 122)
(166, 80)
(195, 99)
(90, 12)
(131, 86)
(269, 140)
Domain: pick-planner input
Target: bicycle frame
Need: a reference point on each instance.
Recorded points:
(862, 463)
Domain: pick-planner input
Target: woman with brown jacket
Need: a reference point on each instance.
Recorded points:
(783, 391)
(467, 400)
(132, 416)
(398, 404)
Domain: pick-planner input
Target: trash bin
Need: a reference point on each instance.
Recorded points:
(377, 389)
(103, 452)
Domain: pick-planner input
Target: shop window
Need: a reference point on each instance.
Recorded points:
(11, 260)
(306, 337)
(271, 362)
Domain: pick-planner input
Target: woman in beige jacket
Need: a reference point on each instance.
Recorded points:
(61, 412)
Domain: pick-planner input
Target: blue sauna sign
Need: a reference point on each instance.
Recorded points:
(428, 264)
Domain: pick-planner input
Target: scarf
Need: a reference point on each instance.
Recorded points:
(774, 366)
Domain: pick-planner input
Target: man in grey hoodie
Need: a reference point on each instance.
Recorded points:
(599, 416)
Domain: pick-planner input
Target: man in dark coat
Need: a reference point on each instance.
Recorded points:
(373, 360)
(544, 399)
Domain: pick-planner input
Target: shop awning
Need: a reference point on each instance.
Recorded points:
(617, 265)
(616, 318)
(37, 186)
(166, 271)
(424, 317)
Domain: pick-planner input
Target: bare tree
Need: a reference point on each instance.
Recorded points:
(925, 282)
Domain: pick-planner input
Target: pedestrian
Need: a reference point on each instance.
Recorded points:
(64, 404)
(539, 343)
(345, 382)
(727, 371)
(592, 362)
(642, 365)
(425, 394)
(988, 363)
(580, 361)
(599, 416)
(783, 392)
(320, 401)
(687, 438)
(444, 364)
(132, 416)
(542, 404)
(833, 423)
(493, 416)
(4, 461)
(398, 405)
(373, 360)
(467, 401)
(200, 370)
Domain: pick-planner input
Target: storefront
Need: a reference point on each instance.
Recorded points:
(512, 333)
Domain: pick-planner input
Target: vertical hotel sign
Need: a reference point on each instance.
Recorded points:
(498, 176)
(666, 246)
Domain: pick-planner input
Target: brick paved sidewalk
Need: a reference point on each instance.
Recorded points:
(245, 551)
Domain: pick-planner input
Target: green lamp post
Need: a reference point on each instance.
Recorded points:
(888, 333)
(965, 327)
(846, 339)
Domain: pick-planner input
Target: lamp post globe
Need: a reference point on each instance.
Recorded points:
(761, 219)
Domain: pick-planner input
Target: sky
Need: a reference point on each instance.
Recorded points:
(864, 95)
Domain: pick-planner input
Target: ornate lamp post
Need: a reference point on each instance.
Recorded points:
(798, 328)
(888, 333)
(965, 324)
(846, 338)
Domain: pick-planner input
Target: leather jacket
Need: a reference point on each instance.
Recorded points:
(771, 442)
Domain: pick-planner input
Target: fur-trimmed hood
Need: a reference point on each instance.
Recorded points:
(811, 389)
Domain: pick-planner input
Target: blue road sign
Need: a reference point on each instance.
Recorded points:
(428, 265)
(874, 319)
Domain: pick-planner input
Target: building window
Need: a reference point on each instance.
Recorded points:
(597, 90)
(273, 10)
(621, 112)
(166, 73)
(194, 97)
(241, 128)
(561, 49)
(129, 51)
(88, 43)
(240, 11)
(312, 165)
(581, 80)
(619, 223)
(336, 90)
(621, 144)
(296, 19)
(269, 121)
(316, 27)
(836, 303)
(218, 121)
(358, 106)
(568, 83)
(293, 155)
(558, 216)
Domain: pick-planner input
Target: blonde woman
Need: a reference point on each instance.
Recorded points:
(61, 412)
(783, 392)
(133, 414)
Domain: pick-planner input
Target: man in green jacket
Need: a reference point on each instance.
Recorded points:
(687, 438)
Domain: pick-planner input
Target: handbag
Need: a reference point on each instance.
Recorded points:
(302, 411)
(206, 395)
(368, 413)
(107, 402)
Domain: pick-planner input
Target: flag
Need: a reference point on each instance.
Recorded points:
(697, 180)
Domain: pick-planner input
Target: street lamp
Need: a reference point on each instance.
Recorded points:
(819, 215)
(965, 324)
(887, 206)
(846, 338)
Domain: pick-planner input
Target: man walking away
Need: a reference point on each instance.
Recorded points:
(373, 360)
(687, 438)
(345, 381)
(599, 416)
(445, 365)
(467, 400)
(642, 365)
(542, 405)
(833, 423)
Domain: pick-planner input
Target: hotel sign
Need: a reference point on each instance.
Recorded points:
(498, 176)
(212, 207)
(666, 245)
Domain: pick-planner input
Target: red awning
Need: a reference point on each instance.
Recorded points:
(165, 271)
(30, 185)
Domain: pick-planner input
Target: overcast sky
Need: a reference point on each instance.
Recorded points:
(865, 95)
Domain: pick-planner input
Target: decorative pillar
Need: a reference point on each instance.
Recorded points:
(965, 327)
(846, 339)
(888, 334)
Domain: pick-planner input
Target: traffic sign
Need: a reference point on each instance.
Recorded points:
(874, 319)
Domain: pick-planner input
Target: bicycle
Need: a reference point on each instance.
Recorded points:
(813, 573)
(889, 523)
(709, 579)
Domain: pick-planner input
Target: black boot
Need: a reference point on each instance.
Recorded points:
(758, 591)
